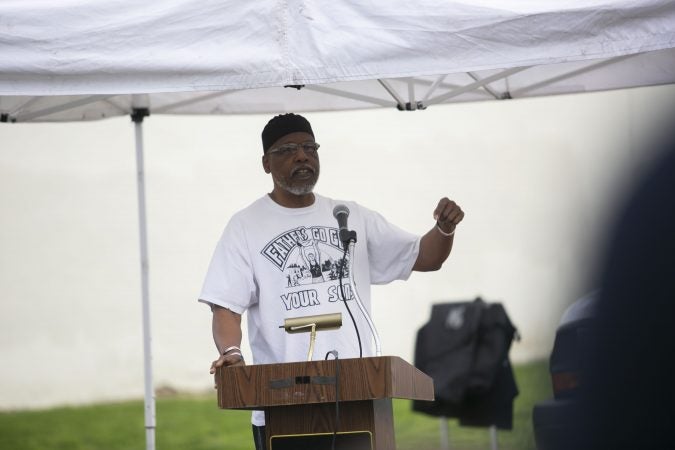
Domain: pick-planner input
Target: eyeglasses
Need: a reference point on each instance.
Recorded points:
(286, 150)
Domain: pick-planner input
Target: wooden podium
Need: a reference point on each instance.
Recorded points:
(299, 400)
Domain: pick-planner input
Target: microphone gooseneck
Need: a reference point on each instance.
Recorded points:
(348, 238)
(359, 303)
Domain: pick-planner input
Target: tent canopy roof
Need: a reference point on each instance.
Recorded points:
(82, 60)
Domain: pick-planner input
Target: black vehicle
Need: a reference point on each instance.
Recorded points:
(556, 424)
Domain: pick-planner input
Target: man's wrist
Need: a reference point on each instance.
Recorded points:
(232, 350)
(443, 232)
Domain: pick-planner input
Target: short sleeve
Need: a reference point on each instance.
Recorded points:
(229, 279)
(392, 251)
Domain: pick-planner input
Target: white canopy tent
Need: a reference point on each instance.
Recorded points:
(226, 57)
(74, 61)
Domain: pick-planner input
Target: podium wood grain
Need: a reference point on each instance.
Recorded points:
(299, 397)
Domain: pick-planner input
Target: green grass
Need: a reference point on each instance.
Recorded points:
(420, 432)
(195, 423)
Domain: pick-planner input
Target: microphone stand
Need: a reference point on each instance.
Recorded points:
(350, 242)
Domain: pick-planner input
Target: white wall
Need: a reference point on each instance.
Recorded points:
(535, 177)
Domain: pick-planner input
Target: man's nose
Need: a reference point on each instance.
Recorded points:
(300, 154)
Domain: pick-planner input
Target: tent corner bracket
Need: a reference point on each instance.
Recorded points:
(5, 117)
(138, 114)
(409, 106)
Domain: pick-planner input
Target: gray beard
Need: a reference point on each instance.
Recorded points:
(296, 190)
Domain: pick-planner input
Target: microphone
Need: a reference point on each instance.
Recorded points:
(341, 213)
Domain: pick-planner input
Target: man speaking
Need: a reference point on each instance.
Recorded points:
(281, 256)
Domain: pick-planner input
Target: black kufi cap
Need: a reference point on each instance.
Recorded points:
(281, 125)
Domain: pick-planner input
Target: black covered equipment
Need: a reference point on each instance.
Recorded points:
(465, 349)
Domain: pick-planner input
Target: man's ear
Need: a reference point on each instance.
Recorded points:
(266, 164)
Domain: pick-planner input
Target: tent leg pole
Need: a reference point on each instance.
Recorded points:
(445, 433)
(150, 423)
(493, 438)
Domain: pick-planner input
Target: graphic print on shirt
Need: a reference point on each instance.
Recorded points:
(309, 257)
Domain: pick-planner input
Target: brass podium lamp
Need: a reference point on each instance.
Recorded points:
(312, 324)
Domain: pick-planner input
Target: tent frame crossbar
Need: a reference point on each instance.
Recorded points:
(116, 105)
(488, 89)
(202, 98)
(455, 91)
(572, 73)
(63, 107)
(437, 82)
(391, 91)
(350, 95)
(17, 111)
(475, 85)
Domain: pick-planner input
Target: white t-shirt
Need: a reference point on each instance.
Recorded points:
(277, 263)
